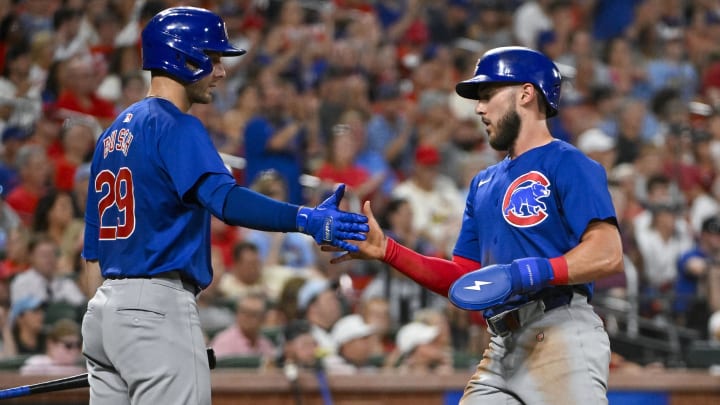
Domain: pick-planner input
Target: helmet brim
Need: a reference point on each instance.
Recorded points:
(232, 51)
(469, 88)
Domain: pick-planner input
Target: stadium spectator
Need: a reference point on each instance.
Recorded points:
(69, 40)
(245, 336)
(275, 137)
(340, 164)
(391, 128)
(299, 346)
(79, 93)
(404, 296)
(529, 20)
(318, 303)
(62, 352)
(692, 287)
(236, 118)
(214, 310)
(661, 246)
(78, 140)
(13, 138)
(598, 146)
(23, 333)
(420, 351)
(56, 216)
(245, 274)
(18, 91)
(371, 160)
(292, 250)
(42, 280)
(375, 312)
(16, 257)
(35, 173)
(352, 337)
(434, 198)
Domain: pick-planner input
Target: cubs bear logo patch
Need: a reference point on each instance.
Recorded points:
(523, 204)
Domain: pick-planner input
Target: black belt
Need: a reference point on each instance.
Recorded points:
(187, 284)
(507, 322)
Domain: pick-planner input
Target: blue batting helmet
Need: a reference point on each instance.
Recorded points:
(515, 64)
(175, 41)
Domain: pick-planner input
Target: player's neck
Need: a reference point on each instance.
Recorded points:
(170, 90)
(533, 133)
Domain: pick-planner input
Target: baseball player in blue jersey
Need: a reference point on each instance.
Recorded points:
(155, 180)
(538, 228)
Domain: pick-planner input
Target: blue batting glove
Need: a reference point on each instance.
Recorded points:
(530, 274)
(493, 285)
(328, 225)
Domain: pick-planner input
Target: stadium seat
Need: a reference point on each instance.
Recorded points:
(250, 361)
(702, 354)
(13, 363)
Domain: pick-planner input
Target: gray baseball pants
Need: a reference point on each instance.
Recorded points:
(144, 345)
(557, 357)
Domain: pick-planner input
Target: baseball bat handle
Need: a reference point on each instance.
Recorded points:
(76, 381)
(15, 392)
(67, 383)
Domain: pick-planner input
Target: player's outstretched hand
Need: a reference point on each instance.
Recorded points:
(373, 247)
(329, 225)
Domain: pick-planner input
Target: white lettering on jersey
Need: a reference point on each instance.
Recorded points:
(124, 139)
(117, 141)
(109, 143)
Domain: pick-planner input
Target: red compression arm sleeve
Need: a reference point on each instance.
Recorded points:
(560, 270)
(433, 273)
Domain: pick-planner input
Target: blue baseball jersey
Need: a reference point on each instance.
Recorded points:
(141, 219)
(536, 205)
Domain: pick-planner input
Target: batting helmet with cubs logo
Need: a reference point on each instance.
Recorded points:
(515, 64)
(176, 42)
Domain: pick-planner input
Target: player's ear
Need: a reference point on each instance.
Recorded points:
(527, 94)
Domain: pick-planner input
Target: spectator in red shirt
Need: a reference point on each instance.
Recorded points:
(78, 141)
(340, 166)
(78, 92)
(17, 253)
(35, 172)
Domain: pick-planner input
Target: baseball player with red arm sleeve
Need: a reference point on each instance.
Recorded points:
(155, 180)
(538, 228)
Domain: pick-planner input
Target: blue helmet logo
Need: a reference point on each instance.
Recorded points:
(176, 40)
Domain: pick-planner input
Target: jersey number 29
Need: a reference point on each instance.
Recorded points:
(119, 193)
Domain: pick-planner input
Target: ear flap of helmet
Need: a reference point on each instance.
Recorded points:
(178, 59)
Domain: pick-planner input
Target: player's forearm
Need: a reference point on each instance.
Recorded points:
(241, 206)
(599, 254)
(247, 208)
(433, 273)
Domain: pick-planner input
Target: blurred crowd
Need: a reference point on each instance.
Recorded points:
(360, 92)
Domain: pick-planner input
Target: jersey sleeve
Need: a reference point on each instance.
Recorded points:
(91, 236)
(582, 188)
(187, 153)
(467, 243)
